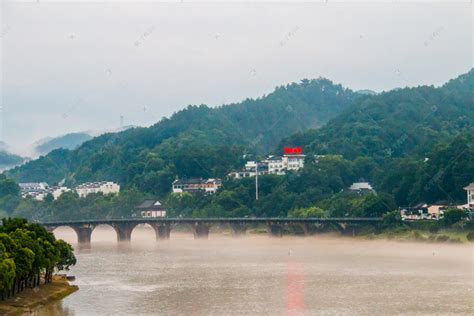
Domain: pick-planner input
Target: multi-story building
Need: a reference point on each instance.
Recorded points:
(104, 187)
(196, 184)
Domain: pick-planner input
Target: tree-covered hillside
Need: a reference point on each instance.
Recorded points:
(197, 141)
(394, 124)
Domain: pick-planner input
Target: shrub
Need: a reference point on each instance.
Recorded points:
(470, 236)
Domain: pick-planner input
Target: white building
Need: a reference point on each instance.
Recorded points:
(39, 190)
(293, 160)
(250, 170)
(470, 195)
(361, 187)
(97, 187)
(58, 191)
(35, 190)
(275, 165)
(196, 184)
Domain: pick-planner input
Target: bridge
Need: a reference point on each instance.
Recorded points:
(201, 226)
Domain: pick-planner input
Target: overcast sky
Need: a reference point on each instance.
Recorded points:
(81, 66)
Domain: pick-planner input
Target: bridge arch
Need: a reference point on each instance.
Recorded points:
(65, 232)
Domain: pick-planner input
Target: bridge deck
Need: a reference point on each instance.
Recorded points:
(223, 220)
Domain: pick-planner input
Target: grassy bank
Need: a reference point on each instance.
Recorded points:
(32, 298)
(443, 235)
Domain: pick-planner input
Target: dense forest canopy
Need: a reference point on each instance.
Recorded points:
(414, 145)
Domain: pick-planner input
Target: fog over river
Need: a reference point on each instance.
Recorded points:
(258, 275)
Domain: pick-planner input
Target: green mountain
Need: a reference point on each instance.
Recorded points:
(197, 141)
(396, 123)
(417, 144)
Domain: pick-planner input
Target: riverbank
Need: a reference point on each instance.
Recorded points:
(32, 298)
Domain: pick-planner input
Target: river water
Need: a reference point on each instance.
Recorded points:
(258, 275)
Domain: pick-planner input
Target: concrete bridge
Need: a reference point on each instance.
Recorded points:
(201, 226)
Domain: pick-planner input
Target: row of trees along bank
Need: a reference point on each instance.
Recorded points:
(29, 255)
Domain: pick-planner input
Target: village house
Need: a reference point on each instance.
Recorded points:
(151, 209)
(361, 188)
(196, 184)
(104, 187)
(250, 170)
(470, 195)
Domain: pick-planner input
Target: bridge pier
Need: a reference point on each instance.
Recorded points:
(124, 230)
(162, 230)
(238, 229)
(306, 229)
(201, 231)
(84, 234)
(275, 230)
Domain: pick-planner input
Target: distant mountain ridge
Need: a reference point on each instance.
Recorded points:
(68, 141)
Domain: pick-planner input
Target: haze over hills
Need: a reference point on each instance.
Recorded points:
(196, 141)
(8, 159)
(68, 141)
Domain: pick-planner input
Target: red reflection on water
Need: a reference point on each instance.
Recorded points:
(295, 303)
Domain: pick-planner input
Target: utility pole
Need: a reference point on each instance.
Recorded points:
(256, 180)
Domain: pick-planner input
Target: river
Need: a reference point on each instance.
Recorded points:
(258, 275)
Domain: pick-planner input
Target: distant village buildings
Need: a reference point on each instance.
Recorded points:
(292, 160)
(196, 184)
(39, 190)
(436, 211)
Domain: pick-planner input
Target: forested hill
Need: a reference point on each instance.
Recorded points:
(197, 141)
(398, 123)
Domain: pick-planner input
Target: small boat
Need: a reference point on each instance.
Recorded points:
(71, 278)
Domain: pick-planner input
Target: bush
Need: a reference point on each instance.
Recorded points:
(453, 216)
(470, 236)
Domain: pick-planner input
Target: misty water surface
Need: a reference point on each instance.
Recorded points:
(258, 275)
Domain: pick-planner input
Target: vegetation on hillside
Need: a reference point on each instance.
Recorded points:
(414, 145)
